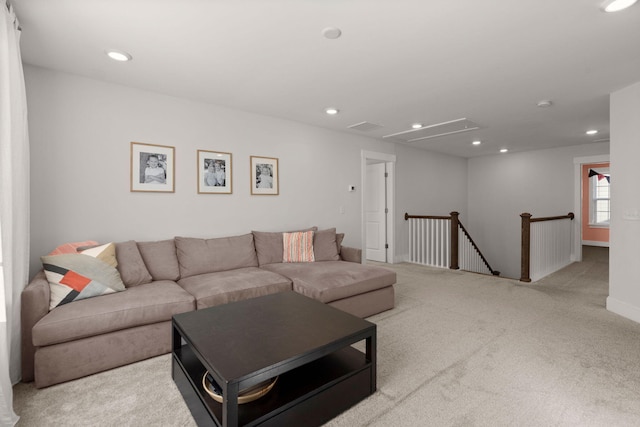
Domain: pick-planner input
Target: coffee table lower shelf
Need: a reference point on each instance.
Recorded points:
(308, 395)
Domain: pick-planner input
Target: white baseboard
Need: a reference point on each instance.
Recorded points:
(594, 243)
(623, 309)
(401, 258)
(396, 259)
(537, 276)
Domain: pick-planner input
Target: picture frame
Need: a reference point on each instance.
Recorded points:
(214, 172)
(264, 176)
(152, 168)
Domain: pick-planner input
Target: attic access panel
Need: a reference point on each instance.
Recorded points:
(436, 130)
(365, 126)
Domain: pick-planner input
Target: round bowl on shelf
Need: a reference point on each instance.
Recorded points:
(244, 396)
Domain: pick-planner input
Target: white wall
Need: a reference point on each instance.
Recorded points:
(81, 129)
(428, 184)
(80, 133)
(501, 187)
(624, 252)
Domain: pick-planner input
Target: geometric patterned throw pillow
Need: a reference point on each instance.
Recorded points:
(298, 247)
(73, 247)
(76, 276)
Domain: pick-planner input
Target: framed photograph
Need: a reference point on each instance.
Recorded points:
(214, 172)
(264, 176)
(152, 168)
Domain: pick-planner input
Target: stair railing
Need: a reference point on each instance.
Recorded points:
(442, 241)
(470, 255)
(430, 240)
(546, 245)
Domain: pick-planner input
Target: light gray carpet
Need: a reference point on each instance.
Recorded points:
(459, 349)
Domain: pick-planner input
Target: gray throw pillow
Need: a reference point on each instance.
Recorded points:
(131, 265)
(161, 259)
(325, 247)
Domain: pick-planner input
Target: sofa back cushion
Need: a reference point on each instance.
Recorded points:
(131, 265)
(160, 259)
(325, 246)
(269, 246)
(339, 239)
(199, 256)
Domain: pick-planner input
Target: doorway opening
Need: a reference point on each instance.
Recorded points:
(596, 206)
(585, 217)
(377, 227)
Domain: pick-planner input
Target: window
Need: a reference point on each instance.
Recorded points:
(600, 206)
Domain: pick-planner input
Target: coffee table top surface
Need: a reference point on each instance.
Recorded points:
(243, 338)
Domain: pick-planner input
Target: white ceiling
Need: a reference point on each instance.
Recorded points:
(397, 62)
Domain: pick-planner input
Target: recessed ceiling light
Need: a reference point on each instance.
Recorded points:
(503, 150)
(617, 5)
(118, 55)
(591, 132)
(331, 111)
(416, 125)
(544, 103)
(331, 33)
(477, 142)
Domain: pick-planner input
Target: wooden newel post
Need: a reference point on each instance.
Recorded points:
(454, 240)
(526, 247)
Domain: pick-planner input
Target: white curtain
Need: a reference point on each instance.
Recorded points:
(14, 206)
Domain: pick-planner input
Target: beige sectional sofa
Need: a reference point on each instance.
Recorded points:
(168, 277)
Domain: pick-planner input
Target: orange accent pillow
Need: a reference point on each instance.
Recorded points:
(72, 248)
(298, 247)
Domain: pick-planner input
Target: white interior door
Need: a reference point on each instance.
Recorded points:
(375, 216)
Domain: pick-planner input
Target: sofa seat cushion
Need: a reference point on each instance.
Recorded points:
(233, 285)
(328, 281)
(141, 305)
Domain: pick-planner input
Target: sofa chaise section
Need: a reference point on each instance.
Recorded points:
(335, 277)
(362, 290)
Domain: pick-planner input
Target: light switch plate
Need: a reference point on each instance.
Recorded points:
(631, 214)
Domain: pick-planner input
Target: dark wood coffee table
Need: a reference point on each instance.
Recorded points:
(305, 343)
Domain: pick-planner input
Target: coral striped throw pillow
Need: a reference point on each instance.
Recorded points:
(298, 246)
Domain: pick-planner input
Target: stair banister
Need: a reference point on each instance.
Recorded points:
(525, 249)
(473, 243)
(525, 261)
(454, 240)
(454, 249)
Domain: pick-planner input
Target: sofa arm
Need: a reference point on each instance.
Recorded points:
(351, 254)
(34, 306)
